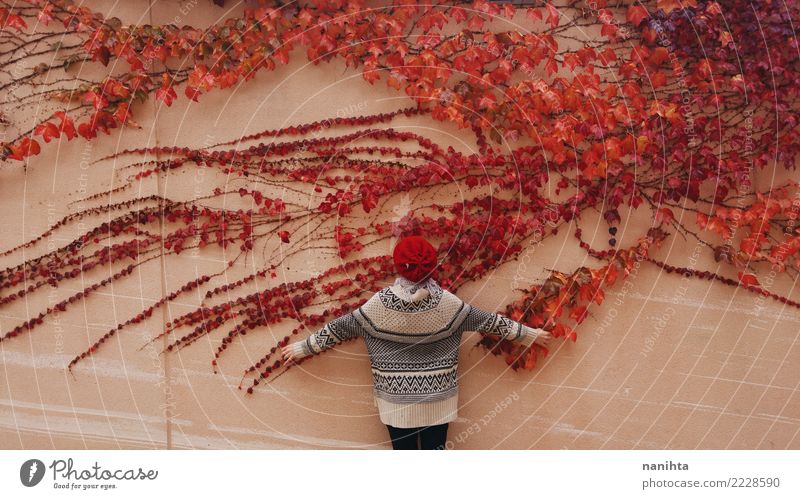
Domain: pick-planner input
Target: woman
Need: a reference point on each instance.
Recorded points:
(413, 331)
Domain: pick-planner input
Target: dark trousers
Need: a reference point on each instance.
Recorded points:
(423, 438)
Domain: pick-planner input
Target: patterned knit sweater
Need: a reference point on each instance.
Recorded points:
(413, 347)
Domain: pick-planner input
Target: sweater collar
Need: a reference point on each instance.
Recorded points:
(405, 288)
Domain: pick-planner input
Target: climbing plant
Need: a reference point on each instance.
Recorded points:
(666, 108)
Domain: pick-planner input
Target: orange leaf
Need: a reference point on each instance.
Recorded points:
(564, 331)
(393, 82)
(551, 66)
(559, 330)
(713, 8)
(608, 55)
(609, 31)
(553, 306)
(552, 16)
(599, 296)
(611, 274)
(702, 220)
(669, 5)
(658, 80)
(14, 21)
(578, 314)
(664, 215)
(658, 56)
(636, 13)
(48, 131)
(586, 292)
(166, 94)
(748, 279)
(67, 125)
(27, 147)
(749, 245)
(533, 13)
(487, 101)
(530, 361)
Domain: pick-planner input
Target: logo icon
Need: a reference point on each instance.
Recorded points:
(31, 472)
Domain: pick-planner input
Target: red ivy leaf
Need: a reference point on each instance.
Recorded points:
(13, 21)
(664, 215)
(97, 100)
(748, 279)
(599, 296)
(27, 147)
(636, 13)
(533, 13)
(46, 14)
(458, 14)
(192, 93)
(48, 131)
(166, 94)
(566, 332)
(67, 126)
(578, 314)
(670, 5)
(658, 79)
(87, 131)
(552, 15)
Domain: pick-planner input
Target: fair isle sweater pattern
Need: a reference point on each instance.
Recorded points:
(414, 346)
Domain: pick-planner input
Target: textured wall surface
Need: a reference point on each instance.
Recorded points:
(665, 362)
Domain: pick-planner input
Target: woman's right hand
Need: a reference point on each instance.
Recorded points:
(288, 355)
(544, 338)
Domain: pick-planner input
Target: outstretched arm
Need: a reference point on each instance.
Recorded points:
(340, 329)
(507, 329)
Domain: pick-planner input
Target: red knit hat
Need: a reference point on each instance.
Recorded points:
(414, 258)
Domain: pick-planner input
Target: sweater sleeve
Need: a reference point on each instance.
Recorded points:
(340, 329)
(499, 325)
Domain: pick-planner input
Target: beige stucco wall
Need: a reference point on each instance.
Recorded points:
(663, 363)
